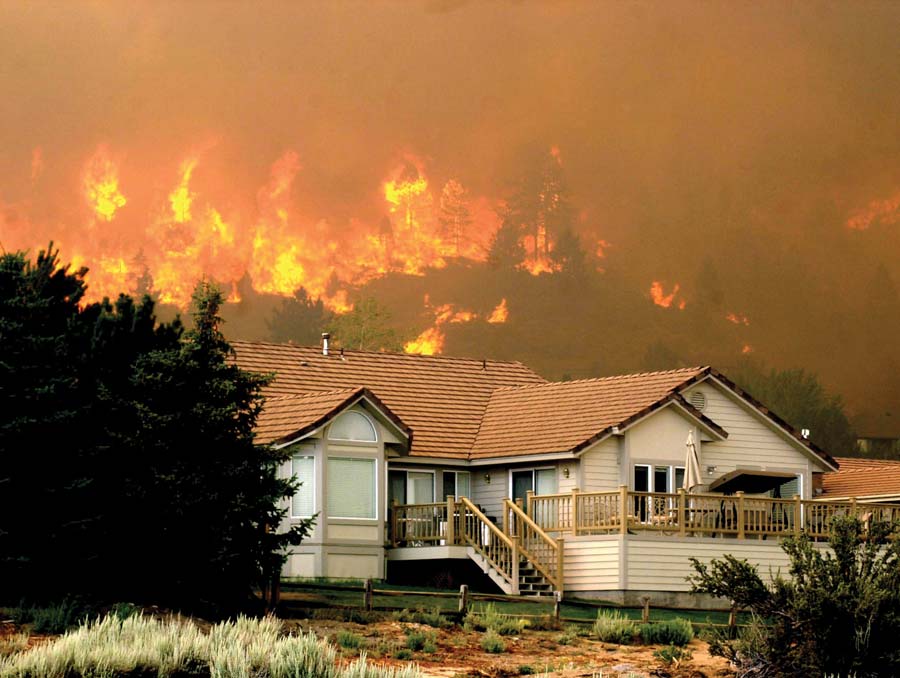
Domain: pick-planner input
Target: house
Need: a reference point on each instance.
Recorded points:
(568, 486)
(868, 480)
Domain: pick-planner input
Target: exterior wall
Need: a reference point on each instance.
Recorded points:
(591, 563)
(600, 467)
(490, 495)
(751, 443)
(342, 547)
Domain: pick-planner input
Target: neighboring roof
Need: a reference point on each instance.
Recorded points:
(284, 417)
(442, 399)
(862, 478)
(569, 415)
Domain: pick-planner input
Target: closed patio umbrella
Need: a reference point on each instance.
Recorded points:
(692, 478)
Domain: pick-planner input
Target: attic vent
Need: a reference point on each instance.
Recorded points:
(698, 400)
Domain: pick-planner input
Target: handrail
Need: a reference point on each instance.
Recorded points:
(538, 547)
(499, 549)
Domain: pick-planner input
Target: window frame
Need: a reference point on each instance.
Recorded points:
(456, 475)
(651, 476)
(534, 470)
(357, 441)
(375, 494)
(303, 486)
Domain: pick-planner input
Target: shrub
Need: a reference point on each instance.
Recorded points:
(492, 642)
(672, 655)
(566, 638)
(488, 619)
(349, 640)
(526, 670)
(420, 616)
(839, 613)
(403, 653)
(613, 627)
(59, 618)
(671, 632)
(418, 640)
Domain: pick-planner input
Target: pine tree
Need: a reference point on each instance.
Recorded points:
(300, 319)
(454, 215)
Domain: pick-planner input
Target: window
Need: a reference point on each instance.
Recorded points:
(539, 480)
(660, 478)
(457, 484)
(303, 503)
(411, 487)
(351, 488)
(353, 426)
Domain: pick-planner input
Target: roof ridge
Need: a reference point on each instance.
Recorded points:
(398, 354)
(693, 370)
(310, 394)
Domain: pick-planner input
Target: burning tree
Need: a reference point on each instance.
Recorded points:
(454, 215)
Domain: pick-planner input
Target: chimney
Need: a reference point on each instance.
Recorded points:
(804, 433)
(325, 337)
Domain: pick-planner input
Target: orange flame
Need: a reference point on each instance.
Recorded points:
(101, 185)
(747, 349)
(181, 198)
(431, 341)
(737, 319)
(882, 211)
(500, 314)
(660, 298)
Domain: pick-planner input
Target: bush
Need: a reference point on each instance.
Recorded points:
(488, 619)
(403, 653)
(613, 627)
(420, 616)
(672, 655)
(566, 638)
(349, 640)
(672, 632)
(839, 613)
(526, 670)
(492, 642)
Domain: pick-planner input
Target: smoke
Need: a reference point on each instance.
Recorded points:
(758, 136)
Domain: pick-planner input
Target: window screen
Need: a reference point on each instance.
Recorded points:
(351, 488)
(303, 504)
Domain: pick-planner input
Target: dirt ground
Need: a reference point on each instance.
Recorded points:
(459, 653)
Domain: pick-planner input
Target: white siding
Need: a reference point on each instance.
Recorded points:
(751, 441)
(591, 564)
(600, 467)
(489, 496)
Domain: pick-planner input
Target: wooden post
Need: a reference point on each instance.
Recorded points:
(732, 620)
(645, 613)
(557, 603)
(450, 537)
(394, 540)
(853, 509)
(463, 599)
(574, 512)
(529, 503)
(367, 596)
(515, 566)
(740, 514)
(560, 559)
(505, 520)
(623, 509)
(798, 514)
(682, 515)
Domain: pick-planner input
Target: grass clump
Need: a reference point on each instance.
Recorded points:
(526, 670)
(420, 641)
(488, 619)
(672, 632)
(492, 642)
(673, 655)
(614, 627)
(143, 646)
(12, 644)
(566, 638)
(349, 640)
(403, 653)
(421, 616)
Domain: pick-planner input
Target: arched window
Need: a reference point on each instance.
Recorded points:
(353, 426)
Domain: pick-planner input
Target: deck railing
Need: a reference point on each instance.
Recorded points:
(543, 551)
(681, 513)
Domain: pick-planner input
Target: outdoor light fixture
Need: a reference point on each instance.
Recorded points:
(566, 471)
(487, 478)
(710, 469)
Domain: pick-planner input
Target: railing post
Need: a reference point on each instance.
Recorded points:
(798, 514)
(529, 503)
(740, 514)
(853, 509)
(573, 512)
(515, 566)
(557, 603)
(505, 517)
(623, 509)
(394, 540)
(682, 526)
(560, 566)
(450, 537)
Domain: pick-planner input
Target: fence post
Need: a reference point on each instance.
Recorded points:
(645, 613)
(798, 514)
(573, 513)
(682, 526)
(732, 620)
(463, 599)
(394, 539)
(450, 537)
(367, 596)
(623, 509)
(560, 560)
(515, 566)
(740, 514)
(557, 603)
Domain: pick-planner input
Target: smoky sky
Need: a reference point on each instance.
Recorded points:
(744, 132)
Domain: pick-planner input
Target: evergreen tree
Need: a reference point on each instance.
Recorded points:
(569, 255)
(300, 319)
(454, 215)
(506, 250)
(366, 328)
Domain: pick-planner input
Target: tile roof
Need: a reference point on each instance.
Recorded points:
(862, 478)
(563, 416)
(442, 399)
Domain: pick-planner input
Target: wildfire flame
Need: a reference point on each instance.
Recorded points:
(101, 185)
(747, 349)
(737, 319)
(500, 314)
(883, 211)
(431, 341)
(660, 298)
